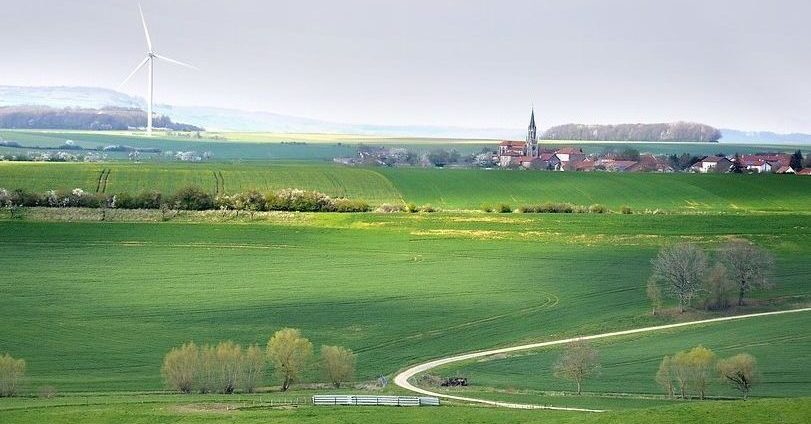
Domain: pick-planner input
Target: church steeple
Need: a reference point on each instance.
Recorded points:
(532, 136)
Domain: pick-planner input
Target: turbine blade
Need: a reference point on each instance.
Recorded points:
(177, 62)
(146, 31)
(137, 68)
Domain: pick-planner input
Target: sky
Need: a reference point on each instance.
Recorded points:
(729, 63)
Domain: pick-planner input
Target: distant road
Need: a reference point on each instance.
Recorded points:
(402, 378)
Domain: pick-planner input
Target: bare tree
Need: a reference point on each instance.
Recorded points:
(680, 367)
(747, 265)
(11, 372)
(180, 367)
(681, 267)
(740, 371)
(290, 353)
(654, 293)
(578, 362)
(253, 368)
(663, 377)
(719, 288)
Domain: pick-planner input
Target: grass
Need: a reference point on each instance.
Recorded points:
(443, 188)
(629, 363)
(94, 306)
(204, 409)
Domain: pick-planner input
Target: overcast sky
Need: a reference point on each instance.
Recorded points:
(730, 63)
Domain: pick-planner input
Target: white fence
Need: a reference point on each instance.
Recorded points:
(331, 400)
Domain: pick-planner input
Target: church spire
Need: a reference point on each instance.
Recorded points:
(532, 136)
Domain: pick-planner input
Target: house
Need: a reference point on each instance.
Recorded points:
(585, 166)
(570, 154)
(775, 160)
(804, 171)
(653, 163)
(785, 170)
(712, 164)
(755, 164)
(551, 161)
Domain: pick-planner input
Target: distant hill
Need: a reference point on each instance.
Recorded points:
(76, 118)
(222, 119)
(764, 137)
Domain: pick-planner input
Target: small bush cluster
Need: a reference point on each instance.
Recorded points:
(187, 198)
(626, 210)
(391, 208)
(503, 208)
(563, 208)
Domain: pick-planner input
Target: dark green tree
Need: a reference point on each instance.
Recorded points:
(796, 160)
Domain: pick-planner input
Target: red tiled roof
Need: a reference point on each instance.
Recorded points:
(513, 143)
(547, 156)
(804, 171)
(570, 151)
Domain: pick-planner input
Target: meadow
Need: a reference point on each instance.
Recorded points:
(629, 363)
(443, 188)
(94, 306)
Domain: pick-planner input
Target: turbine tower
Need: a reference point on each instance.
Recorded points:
(150, 60)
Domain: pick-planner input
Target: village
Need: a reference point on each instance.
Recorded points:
(529, 155)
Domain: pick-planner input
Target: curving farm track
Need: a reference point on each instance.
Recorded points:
(402, 378)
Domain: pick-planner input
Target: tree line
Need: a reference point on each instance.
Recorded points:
(675, 131)
(71, 118)
(689, 372)
(227, 367)
(683, 270)
(187, 198)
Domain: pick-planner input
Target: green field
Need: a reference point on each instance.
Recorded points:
(444, 188)
(630, 362)
(93, 306)
(247, 409)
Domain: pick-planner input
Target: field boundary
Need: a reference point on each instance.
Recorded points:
(402, 378)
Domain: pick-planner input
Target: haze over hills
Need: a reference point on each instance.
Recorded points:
(222, 119)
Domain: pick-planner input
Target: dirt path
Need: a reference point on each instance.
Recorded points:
(402, 378)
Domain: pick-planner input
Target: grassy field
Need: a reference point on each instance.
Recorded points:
(629, 363)
(444, 188)
(321, 147)
(205, 409)
(94, 306)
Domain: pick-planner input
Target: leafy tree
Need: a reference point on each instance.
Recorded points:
(681, 267)
(228, 366)
(578, 362)
(338, 364)
(701, 362)
(680, 368)
(663, 377)
(180, 367)
(747, 265)
(740, 371)
(11, 372)
(193, 199)
(796, 162)
(290, 353)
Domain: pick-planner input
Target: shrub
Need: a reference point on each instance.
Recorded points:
(626, 210)
(389, 208)
(296, 200)
(487, 208)
(180, 367)
(411, 208)
(47, 392)
(193, 199)
(427, 209)
(597, 208)
(142, 200)
(11, 372)
(349, 205)
(503, 208)
(250, 201)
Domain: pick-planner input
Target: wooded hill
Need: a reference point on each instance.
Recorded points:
(108, 118)
(675, 131)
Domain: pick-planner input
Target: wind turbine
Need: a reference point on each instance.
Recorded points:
(150, 59)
